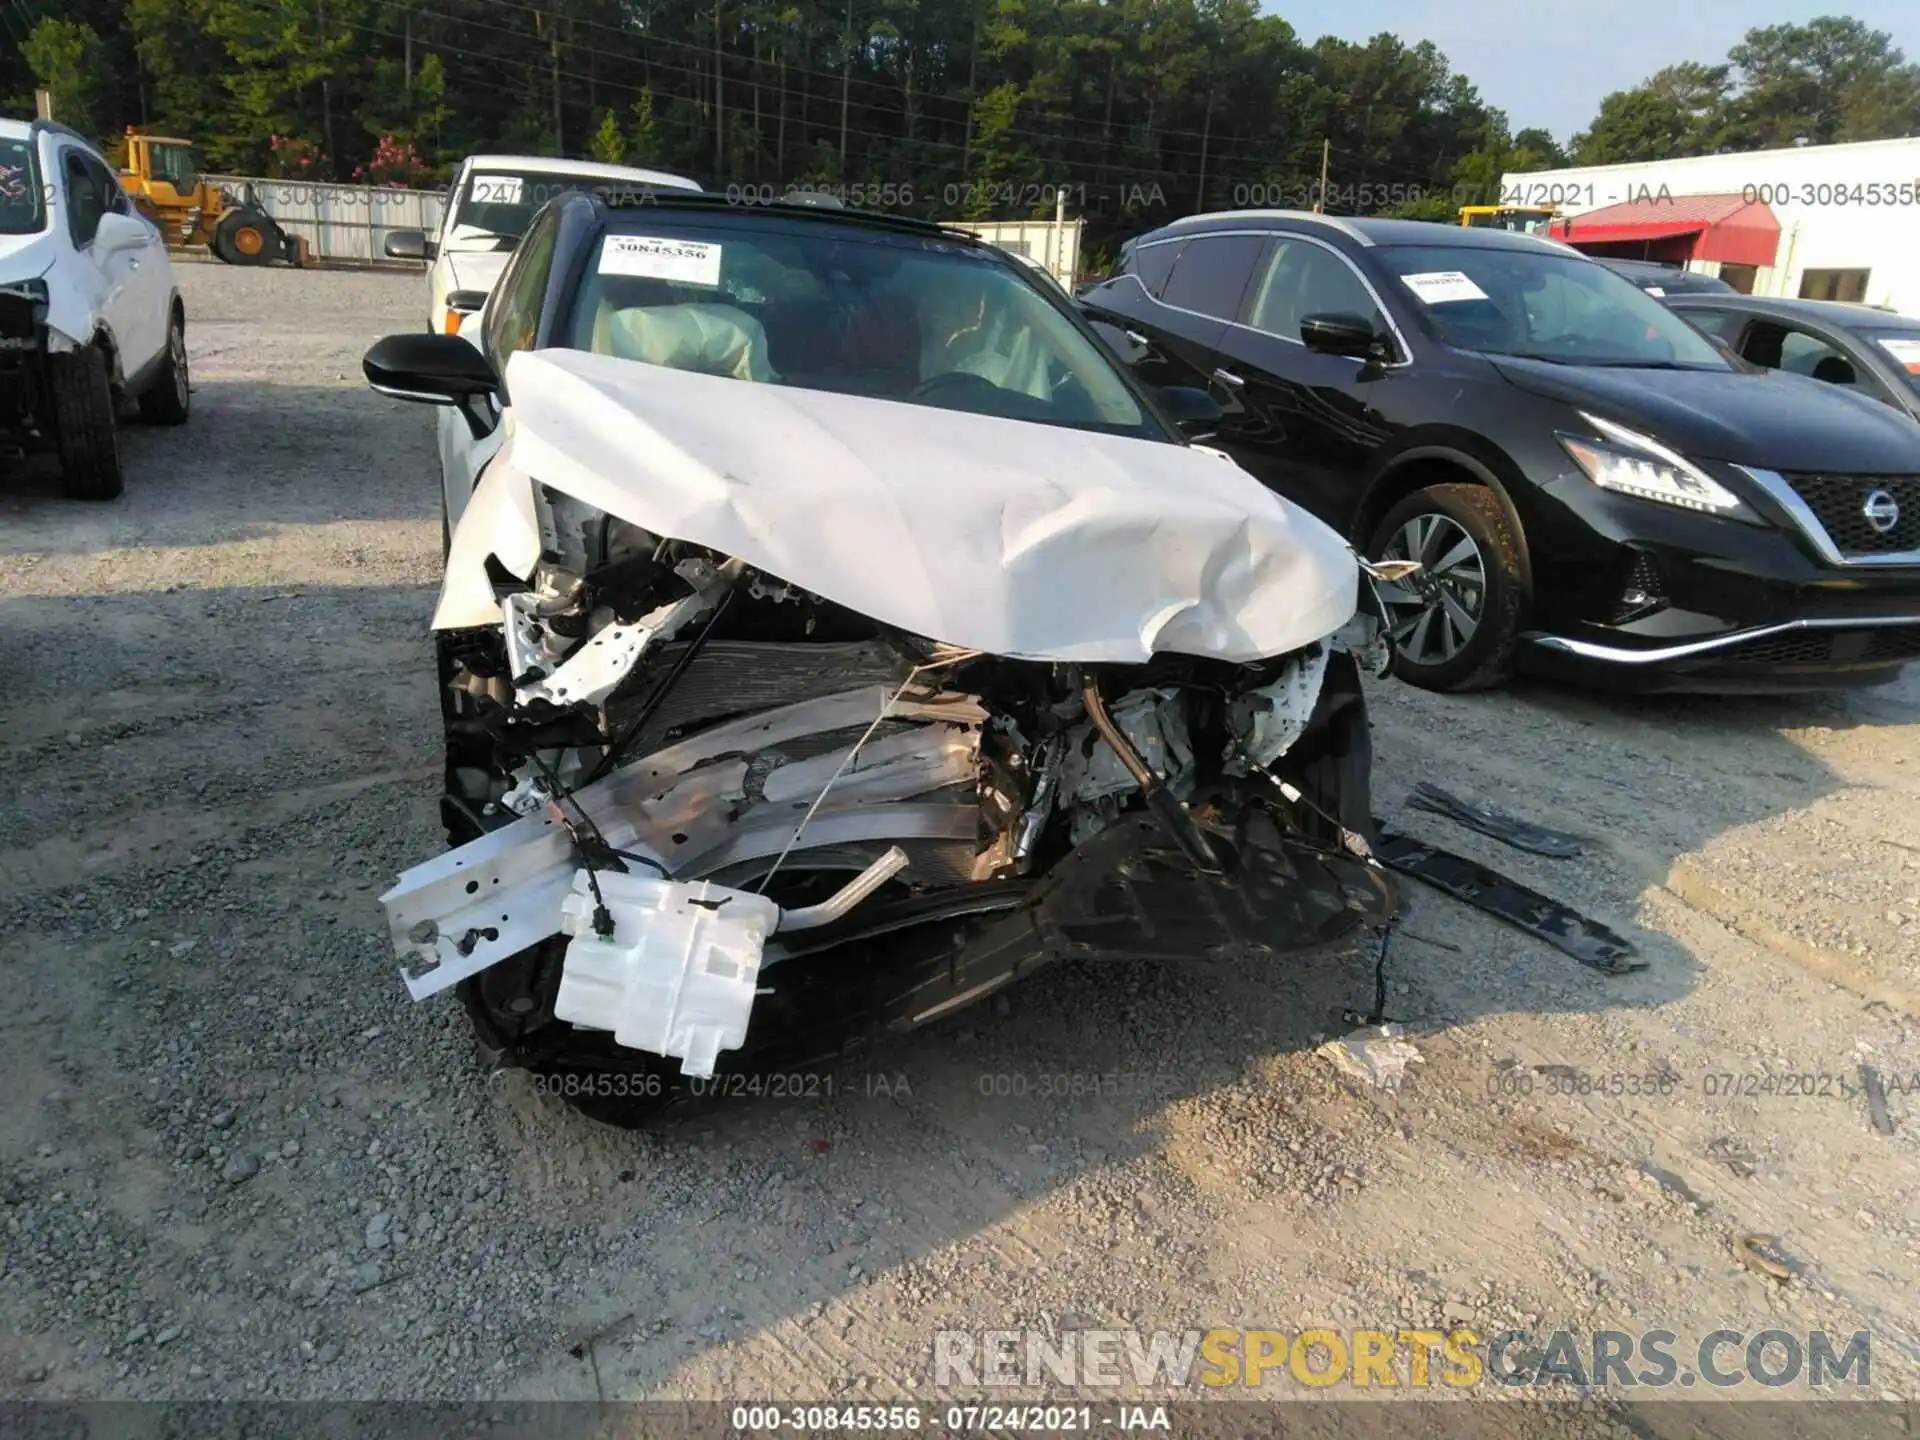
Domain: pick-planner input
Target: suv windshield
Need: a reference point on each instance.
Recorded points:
(23, 208)
(1544, 305)
(503, 202)
(827, 308)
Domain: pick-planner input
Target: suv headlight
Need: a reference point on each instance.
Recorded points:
(1634, 464)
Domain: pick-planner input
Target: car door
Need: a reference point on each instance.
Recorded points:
(149, 275)
(1172, 306)
(108, 281)
(505, 326)
(1303, 422)
(1803, 350)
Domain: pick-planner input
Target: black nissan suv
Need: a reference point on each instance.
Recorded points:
(1595, 488)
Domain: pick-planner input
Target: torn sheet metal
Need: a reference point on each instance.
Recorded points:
(1016, 539)
(684, 810)
(1494, 823)
(1587, 941)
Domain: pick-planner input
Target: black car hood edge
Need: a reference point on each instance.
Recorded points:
(1762, 418)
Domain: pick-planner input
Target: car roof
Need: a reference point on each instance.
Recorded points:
(1363, 230)
(1830, 312)
(591, 169)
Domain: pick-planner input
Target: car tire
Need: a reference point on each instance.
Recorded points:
(1456, 624)
(166, 401)
(81, 399)
(244, 237)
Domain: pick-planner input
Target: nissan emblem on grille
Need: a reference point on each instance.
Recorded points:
(1882, 511)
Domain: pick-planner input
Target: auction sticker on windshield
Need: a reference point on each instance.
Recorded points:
(655, 257)
(1905, 353)
(497, 189)
(1442, 287)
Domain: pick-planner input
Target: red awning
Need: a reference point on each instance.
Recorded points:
(1731, 228)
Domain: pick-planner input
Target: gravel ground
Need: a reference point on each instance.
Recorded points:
(238, 1162)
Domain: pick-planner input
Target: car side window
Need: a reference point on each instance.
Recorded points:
(113, 193)
(1779, 347)
(1724, 323)
(1212, 273)
(513, 316)
(1303, 279)
(1152, 264)
(86, 200)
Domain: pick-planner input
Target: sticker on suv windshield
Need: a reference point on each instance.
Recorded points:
(497, 189)
(1442, 287)
(656, 257)
(1906, 353)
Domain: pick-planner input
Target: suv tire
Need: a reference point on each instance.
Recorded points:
(80, 395)
(1455, 624)
(166, 399)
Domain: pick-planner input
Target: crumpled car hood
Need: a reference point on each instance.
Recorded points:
(1002, 536)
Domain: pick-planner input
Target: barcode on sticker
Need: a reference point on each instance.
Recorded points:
(1442, 287)
(497, 189)
(659, 257)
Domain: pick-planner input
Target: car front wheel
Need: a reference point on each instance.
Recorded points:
(1456, 620)
(81, 394)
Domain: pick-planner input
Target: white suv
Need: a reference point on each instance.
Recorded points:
(90, 317)
(489, 204)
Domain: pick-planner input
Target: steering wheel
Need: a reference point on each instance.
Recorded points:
(956, 384)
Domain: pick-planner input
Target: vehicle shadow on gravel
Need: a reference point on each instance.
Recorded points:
(1097, 1084)
(242, 770)
(243, 466)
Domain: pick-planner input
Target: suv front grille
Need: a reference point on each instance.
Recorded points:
(1840, 503)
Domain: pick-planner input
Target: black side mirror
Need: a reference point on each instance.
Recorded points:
(1339, 332)
(405, 245)
(434, 369)
(467, 302)
(1193, 410)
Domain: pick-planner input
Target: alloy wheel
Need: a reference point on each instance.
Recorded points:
(1434, 613)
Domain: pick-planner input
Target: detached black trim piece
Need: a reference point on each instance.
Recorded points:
(1497, 824)
(1587, 941)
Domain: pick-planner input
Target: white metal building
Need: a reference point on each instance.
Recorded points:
(1828, 222)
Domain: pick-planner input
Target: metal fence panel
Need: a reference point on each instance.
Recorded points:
(341, 222)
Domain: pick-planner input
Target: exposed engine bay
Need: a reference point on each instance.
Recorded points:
(706, 819)
(673, 782)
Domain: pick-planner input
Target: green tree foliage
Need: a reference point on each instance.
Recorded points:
(67, 59)
(1141, 110)
(1821, 83)
(609, 143)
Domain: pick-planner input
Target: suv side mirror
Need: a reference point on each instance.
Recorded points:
(118, 232)
(405, 245)
(1339, 332)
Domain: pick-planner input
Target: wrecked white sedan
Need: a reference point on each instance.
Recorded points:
(832, 634)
